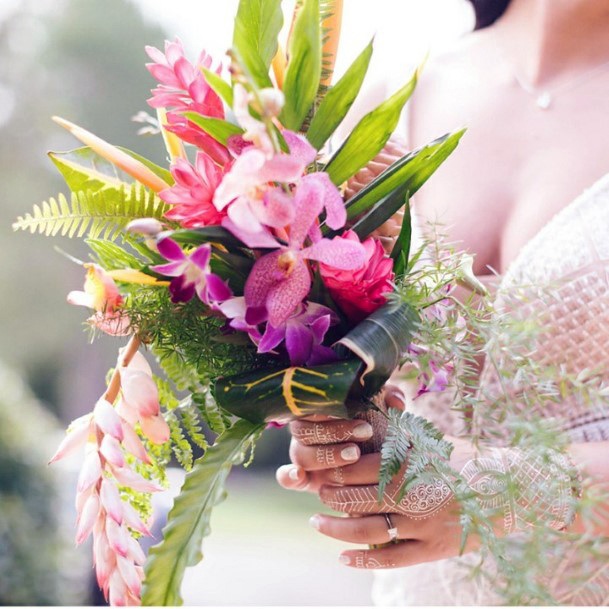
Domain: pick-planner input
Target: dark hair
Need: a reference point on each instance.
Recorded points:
(488, 11)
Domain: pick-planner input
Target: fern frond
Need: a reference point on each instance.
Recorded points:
(103, 213)
(179, 444)
(215, 417)
(112, 256)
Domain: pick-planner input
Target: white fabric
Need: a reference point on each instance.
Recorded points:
(571, 253)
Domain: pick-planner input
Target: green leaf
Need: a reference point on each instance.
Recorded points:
(257, 26)
(112, 256)
(410, 172)
(220, 86)
(85, 170)
(217, 128)
(281, 395)
(207, 234)
(401, 249)
(303, 71)
(380, 341)
(104, 212)
(188, 520)
(232, 267)
(369, 135)
(337, 101)
(380, 213)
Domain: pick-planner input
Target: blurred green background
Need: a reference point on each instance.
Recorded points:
(84, 60)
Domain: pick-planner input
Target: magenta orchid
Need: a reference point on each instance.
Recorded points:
(303, 333)
(191, 197)
(191, 273)
(280, 281)
(183, 88)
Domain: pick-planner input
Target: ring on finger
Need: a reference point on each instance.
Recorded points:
(391, 529)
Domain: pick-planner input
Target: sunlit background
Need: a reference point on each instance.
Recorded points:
(84, 60)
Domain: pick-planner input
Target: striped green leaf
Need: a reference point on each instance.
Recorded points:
(337, 101)
(217, 128)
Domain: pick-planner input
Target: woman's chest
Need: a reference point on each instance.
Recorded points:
(510, 176)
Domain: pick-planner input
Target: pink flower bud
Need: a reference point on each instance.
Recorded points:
(107, 419)
(140, 392)
(133, 444)
(111, 500)
(117, 590)
(128, 477)
(75, 439)
(136, 554)
(87, 517)
(91, 471)
(129, 575)
(118, 539)
(105, 561)
(133, 521)
(155, 429)
(111, 451)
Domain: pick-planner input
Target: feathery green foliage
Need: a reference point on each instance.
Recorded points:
(103, 213)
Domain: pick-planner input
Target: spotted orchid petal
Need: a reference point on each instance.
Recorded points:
(284, 297)
(336, 212)
(338, 253)
(308, 204)
(263, 239)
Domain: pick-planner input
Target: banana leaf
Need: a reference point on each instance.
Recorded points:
(380, 341)
(288, 393)
(188, 520)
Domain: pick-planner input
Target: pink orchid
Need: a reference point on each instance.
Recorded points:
(279, 281)
(303, 333)
(191, 197)
(183, 88)
(235, 310)
(191, 273)
(255, 205)
(102, 295)
(361, 291)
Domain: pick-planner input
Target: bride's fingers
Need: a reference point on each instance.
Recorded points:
(403, 554)
(367, 529)
(364, 471)
(354, 499)
(323, 457)
(293, 478)
(312, 433)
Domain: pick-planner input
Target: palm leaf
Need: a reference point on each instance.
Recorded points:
(104, 213)
(288, 393)
(381, 212)
(112, 256)
(401, 250)
(304, 66)
(369, 135)
(257, 26)
(188, 520)
(410, 172)
(337, 101)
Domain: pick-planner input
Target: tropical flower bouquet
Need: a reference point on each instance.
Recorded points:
(247, 272)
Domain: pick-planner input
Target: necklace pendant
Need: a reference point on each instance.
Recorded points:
(544, 100)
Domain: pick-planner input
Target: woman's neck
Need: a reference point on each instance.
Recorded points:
(549, 40)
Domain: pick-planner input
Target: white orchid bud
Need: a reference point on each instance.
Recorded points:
(272, 101)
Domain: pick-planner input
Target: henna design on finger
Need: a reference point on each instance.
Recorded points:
(325, 456)
(320, 433)
(420, 502)
(338, 475)
(363, 560)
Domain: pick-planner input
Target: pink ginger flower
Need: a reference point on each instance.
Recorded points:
(107, 437)
(361, 291)
(183, 88)
(191, 197)
(102, 295)
(191, 274)
(256, 205)
(279, 281)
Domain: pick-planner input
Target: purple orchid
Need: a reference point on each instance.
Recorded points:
(191, 274)
(303, 333)
(254, 205)
(280, 281)
(235, 310)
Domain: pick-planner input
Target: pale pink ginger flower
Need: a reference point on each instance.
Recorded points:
(183, 88)
(107, 437)
(102, 295)
(361, 291)
(279, 281)
(191, 197)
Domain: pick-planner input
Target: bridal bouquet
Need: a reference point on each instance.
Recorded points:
(244, 269)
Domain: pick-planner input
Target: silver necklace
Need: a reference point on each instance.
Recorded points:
(545, 97)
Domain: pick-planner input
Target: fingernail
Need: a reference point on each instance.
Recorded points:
(315, 521)
(362, 431)
(293, 473)
(344, 559)
(350, 453)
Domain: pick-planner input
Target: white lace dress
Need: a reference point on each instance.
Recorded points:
(571, 253)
